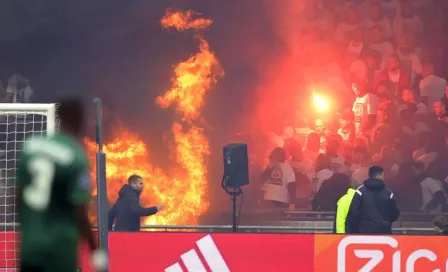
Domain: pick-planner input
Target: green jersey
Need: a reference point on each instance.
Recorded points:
(52, 178)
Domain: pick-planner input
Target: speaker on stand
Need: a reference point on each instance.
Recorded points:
(236, 175)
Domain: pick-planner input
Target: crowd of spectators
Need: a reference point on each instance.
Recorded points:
(391, 58)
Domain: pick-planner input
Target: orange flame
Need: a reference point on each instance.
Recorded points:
(193, 78)
(184, 20)
(182, 189)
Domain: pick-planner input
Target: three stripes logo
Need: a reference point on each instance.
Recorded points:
(193, 263)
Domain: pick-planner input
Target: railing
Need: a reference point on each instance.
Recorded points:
(264, 229)
(242, 228)
(274, 222)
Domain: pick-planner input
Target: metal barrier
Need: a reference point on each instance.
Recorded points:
(242, 229)
(263, 229)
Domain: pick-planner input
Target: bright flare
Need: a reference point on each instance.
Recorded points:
(183, 188)
(320, 102)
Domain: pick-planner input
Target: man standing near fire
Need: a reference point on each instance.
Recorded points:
(127, 211)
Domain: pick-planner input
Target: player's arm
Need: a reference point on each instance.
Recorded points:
(83, 224)
(80, 197)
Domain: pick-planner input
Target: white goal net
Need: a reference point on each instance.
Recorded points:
(17, 123)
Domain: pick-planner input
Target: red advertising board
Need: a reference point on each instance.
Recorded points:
(178, 252)
(380, 253)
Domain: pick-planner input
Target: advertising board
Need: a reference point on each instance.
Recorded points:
(220, 252)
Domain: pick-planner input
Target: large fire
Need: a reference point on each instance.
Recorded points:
(183, 188)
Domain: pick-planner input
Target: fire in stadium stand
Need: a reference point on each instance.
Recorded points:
(183, 188)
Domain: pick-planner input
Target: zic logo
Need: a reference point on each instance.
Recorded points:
(375, 256)
(193, 263)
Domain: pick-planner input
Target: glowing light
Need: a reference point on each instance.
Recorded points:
(320, 103)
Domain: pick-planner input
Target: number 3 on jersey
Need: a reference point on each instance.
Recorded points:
(37, 194)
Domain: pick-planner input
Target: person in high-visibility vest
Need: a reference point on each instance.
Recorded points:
(343, 206)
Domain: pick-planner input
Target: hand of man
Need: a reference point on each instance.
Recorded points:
(292, 207)
(161, 208)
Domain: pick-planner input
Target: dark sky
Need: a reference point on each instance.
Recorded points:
(119, 52)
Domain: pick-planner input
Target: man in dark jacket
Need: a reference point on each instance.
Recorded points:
(373, 208)
(440, 225)
(127, 211)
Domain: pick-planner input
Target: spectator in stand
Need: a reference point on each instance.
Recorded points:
(435, 42)
(407, 188)
(382, 89)
(408, 98)
(399, 156)
(380, 46)
(346, 130)
(434, 157)
(433, 195)
(422, 146)
(329, 192)
(298, 161)
(319, 18)
(436, 163)
(301, 166)
(411, 127)
(363, 69)
(373, 208)
(363, 141)
(357, 157)
(441, 121)
(382, 135)
(356, 45)
(365, 109)
(409, 61)
(387, 109)
(384, 158)
(377, 18)
(322, 171)
(390, 8)
(362, 174)
(18, 90)
(332, 151)
(394, 75)
(312, 148)
(343, 206)
(407, 22)
(432, 87)
(320, 128)
(440, 225)
(345, 29)
(279, 182)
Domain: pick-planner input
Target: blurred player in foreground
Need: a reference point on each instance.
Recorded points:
(54, 192)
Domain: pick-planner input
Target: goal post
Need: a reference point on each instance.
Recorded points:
(17, 122)
(48, 110)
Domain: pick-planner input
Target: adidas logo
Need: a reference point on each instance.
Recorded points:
(193, 263)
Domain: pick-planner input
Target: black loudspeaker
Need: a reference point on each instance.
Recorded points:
(236, 166)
